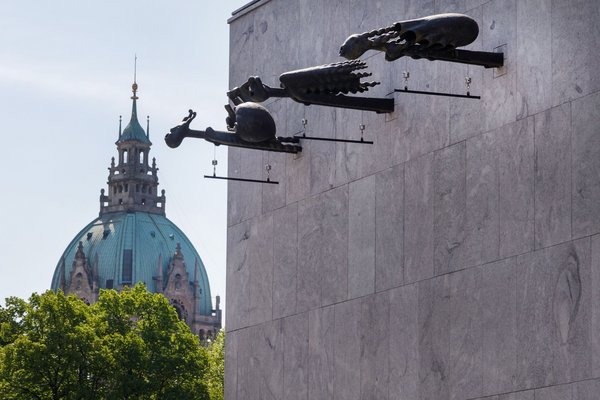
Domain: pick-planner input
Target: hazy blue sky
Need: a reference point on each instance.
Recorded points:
(65, 77)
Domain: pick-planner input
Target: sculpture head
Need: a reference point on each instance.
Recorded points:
(254, 123)
(176, 135)
(355, 46)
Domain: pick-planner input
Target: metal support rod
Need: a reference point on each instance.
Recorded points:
(462, 96)
(227, 178)
(361, 141)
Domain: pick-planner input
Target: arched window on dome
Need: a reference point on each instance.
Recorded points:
(125, 156)
(78, 281)
(127, 272)
(180, 309)
(142, 157)
(177, 282)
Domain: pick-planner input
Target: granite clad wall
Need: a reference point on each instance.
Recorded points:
(459, 256)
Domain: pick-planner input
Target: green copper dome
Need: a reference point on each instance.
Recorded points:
(126, 248)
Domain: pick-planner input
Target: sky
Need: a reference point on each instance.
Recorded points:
(66, 69)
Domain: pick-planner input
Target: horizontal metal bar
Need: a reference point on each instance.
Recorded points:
(463, 96)
(227, 178)
(361, 141)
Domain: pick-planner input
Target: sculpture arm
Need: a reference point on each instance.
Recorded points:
(255, 91)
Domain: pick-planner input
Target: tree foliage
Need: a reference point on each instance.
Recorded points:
(216, 367)
(128, 345)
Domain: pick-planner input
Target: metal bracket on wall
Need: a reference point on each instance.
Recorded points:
(462, 96)
(228, 178)
(406, 76)
(302, 136)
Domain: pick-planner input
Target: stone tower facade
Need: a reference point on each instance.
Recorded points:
(132, 241)
(458, 257)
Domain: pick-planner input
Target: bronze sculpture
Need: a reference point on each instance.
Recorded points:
(251, 126)
(325, 85)
(435, 37)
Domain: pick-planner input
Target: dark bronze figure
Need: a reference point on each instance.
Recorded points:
(435, 37)
(252, 127)
(325, 85)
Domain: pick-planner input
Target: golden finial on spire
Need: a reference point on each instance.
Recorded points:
(134, 87)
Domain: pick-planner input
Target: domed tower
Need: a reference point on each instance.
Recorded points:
(132, 240)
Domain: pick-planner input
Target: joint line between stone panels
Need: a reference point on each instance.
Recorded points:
(535, 172)
(347, 243)
(404, 223)
(571, 166)
(237, 369)
(297, 259)
(272, 265)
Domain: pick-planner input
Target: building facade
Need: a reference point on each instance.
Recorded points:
(132, 240)
(456, 258)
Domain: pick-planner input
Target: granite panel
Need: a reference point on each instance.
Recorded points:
(285, 260)
(322, 154)
(457, 6)
(249, 374)
(275, 50)
(323, 47)
(586, 166)
(596, 303)
(389, 228)
(499, 29)
(297, 165)
(418, 219)
(559, 392)
(295, 358)
(238, 272)
(348, 156)
(354, 161)
(586, 390)
(404, 343)
(269, 353)
(482, 234)
(321, 360)
(244, 199)
(367, 15)
(374, 347)
(554, 315)
(361, 237)
(449, 208)
(347, 349)
(534, 55)
(516, 187)
(575, 34)
(323, 249)
(250, 272)
(231, 356)
(466, 114)
(274, 196)
(499, 326)
(259, 256)
(434, 327)
(465, 342)
(241, 46)
(422, 123)
(553, 176)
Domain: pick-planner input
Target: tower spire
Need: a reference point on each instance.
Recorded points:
(134, 87)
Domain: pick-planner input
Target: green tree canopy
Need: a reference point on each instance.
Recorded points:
(216, 367)
(128, 345)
